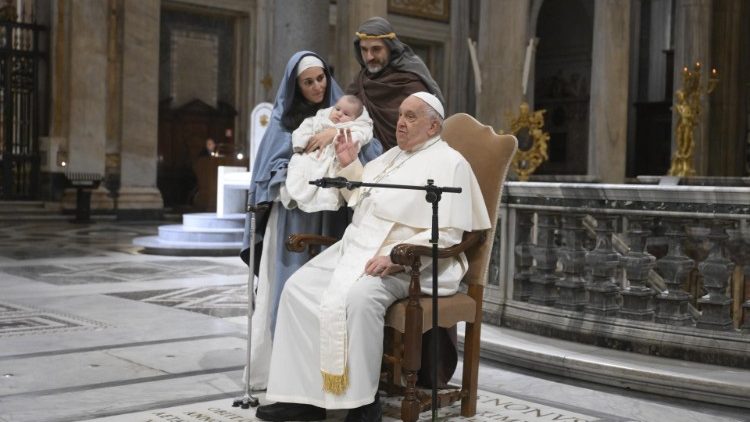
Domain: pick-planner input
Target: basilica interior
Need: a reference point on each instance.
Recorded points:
(618, 287)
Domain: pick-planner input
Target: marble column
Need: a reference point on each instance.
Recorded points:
(692, 43)
(138, 194)
(297, 27)
(87, 86)
(83, 78)
(608, 106)
(349, 15)
(727, 124)
(501, 48)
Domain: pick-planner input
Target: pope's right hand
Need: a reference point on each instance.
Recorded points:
(346, 148)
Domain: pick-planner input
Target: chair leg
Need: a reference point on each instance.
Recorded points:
(412, 338)
(470, 380)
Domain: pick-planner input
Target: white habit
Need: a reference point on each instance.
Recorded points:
(309, 342)
(304, 167)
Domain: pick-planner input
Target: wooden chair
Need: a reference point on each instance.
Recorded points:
(489, 155)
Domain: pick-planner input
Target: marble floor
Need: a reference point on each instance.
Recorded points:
(91, 329)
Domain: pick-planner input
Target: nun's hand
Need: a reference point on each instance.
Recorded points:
(346, 148)
(320, 140)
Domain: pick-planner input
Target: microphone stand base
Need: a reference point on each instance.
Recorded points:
(246, 402)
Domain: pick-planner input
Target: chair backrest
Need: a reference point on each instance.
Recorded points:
(489, 155)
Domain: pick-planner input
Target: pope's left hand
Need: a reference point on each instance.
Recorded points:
(381, 266)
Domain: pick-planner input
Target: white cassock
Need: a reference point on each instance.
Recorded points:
(310, 340)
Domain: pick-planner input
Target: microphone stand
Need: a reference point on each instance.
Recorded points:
(433, 196)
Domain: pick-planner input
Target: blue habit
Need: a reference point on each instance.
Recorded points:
(270, 169)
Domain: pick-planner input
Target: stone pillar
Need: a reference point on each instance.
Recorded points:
(692, 43)
(727, 123)
(79, 117)
(349, 16)
(458, 90)
(501, 48)
(608, 107)
(87, 86)
(297, 26)
(139, 109)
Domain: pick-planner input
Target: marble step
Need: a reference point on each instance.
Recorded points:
(158, 246)
(207, 220)
(182, 233)
(200, 234)
(30, 210)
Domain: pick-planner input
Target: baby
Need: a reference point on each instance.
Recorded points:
(348, 113)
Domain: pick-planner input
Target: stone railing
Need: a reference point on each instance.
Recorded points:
(661, 270)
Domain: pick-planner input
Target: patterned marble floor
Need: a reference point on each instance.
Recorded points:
(90, 329)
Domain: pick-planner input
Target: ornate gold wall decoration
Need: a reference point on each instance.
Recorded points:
(688, 107)
(439, 10)
(532, 141)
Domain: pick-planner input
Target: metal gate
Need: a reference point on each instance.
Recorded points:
(19, 109)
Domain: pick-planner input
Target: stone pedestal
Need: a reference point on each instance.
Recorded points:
(571, 291)
(672, 303)
(637, 299)
(524, 258)
(543, 290)
(139, 203)
(602, 262)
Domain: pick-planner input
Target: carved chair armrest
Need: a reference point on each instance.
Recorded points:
(405, 254)
(409, 255)
(311, 242)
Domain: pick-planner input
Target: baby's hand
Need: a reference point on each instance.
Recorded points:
(320, 140)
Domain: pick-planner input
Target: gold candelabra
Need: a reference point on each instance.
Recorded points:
(528, 127)
(688, 107)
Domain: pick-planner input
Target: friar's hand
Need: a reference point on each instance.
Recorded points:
(381, 266)
(346, 148)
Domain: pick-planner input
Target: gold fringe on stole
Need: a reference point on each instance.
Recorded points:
(363, 36)
(336, 384)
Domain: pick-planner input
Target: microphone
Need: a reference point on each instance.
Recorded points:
(331, 182)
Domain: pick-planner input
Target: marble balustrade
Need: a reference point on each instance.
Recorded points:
(661, 270)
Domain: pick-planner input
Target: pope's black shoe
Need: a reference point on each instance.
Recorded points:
(279, 412)
(372, 412)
